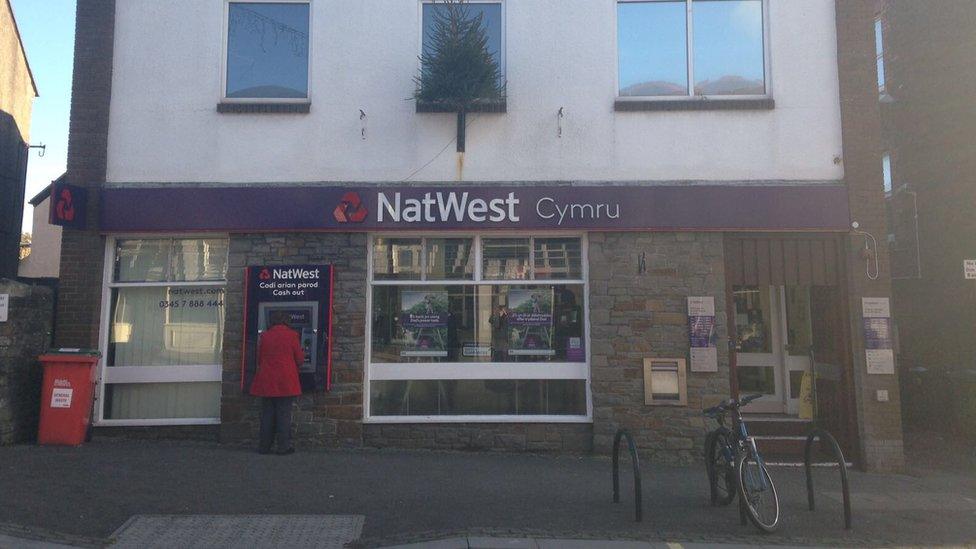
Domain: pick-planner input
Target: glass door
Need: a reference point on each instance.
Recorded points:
(797, 326)
(759, 346)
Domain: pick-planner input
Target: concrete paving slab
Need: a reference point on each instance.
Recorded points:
(225, 531)
(501, 543)
(450, 543)
(597, 544)
(21, 543)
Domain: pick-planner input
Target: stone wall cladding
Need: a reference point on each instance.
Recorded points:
(25, 335)
(522, 437)
(323, 419)
(636, 315)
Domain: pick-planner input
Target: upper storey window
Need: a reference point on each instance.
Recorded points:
(682, 48)
(491, 21)
(267, 50)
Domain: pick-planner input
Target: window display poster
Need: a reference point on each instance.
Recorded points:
(702, 335)
(878, 349)
(877, 333)
(306, 291)
(423, 319)
(880, 361)
(530, 322)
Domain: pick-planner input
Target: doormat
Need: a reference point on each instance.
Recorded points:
(191, 531)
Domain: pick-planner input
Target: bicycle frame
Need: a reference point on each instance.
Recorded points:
(743, 441)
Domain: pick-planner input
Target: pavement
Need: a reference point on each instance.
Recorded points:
(83, 496)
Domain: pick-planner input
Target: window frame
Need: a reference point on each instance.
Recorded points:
(194, 373)
(381, 371)
(690, 60)
(879, 52)
(225, 35)
(504, 40)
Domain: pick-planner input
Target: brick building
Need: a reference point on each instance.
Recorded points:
(17, 93)
(928, 124)
(647, 224)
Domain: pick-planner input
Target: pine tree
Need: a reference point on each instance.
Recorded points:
(457, 70)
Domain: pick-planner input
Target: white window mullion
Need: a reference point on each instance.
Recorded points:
(690, 32)
(532, 258)
(477, 259)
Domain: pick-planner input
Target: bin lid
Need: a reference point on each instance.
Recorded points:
(76, 351)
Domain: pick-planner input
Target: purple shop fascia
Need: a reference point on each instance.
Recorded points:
(821, 207)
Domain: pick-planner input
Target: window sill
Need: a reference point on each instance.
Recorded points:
(694, 104)
(270, 107)
(493, 107)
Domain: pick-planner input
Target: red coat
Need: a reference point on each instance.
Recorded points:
(279, 355)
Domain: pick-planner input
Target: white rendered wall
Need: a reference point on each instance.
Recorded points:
(560, 53)
(44, 260)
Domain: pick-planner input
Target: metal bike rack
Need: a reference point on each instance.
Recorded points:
(637, 474)
(841, 463)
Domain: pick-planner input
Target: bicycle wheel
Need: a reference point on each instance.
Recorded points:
(721, 476)
(757, 492)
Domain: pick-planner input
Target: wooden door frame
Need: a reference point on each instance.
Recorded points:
(842, 310)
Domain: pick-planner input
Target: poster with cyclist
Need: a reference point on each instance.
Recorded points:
(530, 322)
(423, 320)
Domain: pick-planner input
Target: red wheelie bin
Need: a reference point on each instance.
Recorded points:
(67, 396)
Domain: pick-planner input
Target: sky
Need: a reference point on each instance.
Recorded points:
(47, 28)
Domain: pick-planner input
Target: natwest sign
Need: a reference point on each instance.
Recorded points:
(441, 206)
(468, 206)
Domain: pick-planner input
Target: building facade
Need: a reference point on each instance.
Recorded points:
(43, 261)
(17, 93)
(930, 157)
(657, 216)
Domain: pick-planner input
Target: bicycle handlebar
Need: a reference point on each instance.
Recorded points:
(731, 404)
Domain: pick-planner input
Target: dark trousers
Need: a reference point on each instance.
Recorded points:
(275, 420)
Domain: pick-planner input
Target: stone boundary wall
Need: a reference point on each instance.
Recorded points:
(23, 337)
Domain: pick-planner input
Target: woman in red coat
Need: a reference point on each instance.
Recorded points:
(276, 381)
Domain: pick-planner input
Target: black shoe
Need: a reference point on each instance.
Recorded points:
(264, 451)
(286, 452)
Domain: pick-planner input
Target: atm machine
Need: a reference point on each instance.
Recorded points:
(303, 318)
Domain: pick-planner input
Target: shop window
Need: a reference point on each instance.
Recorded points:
(448, 341)
(450, 259)
(397, 258)
(479, 397)
(724, 57)
(165, 329)
(505, 258)
(477, 323)
(267, 50)
(557, 258)
(491, 21)
(753, 308)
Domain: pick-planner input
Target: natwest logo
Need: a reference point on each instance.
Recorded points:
(65, 206)
(350, 209)
(293, 274)
(446, 206)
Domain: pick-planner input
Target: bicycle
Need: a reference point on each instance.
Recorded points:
(735, 467)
